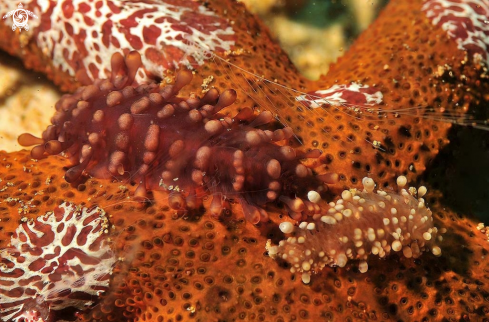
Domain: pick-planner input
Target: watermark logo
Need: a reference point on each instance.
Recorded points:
(20, 17)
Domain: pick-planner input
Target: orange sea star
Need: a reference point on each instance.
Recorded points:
(202, 267)
(199, 267)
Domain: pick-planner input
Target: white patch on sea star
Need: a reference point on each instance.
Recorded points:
(342, 95)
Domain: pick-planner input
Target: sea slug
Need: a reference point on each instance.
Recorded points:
(357, 225)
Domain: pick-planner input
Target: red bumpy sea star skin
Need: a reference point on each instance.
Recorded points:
(465, 22)
(408, 56)
(416, 72)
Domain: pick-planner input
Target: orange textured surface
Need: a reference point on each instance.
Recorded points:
(400, 55)
(202, 268)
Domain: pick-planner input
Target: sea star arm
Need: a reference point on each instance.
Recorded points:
(201, 267)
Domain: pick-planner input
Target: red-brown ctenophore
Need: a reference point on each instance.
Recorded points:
(183, 147)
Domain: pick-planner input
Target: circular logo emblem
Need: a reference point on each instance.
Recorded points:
(20, 17)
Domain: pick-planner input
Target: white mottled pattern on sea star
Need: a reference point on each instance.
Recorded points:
(464, 20)
(165, 33)
(61, 253)
(342, 95)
